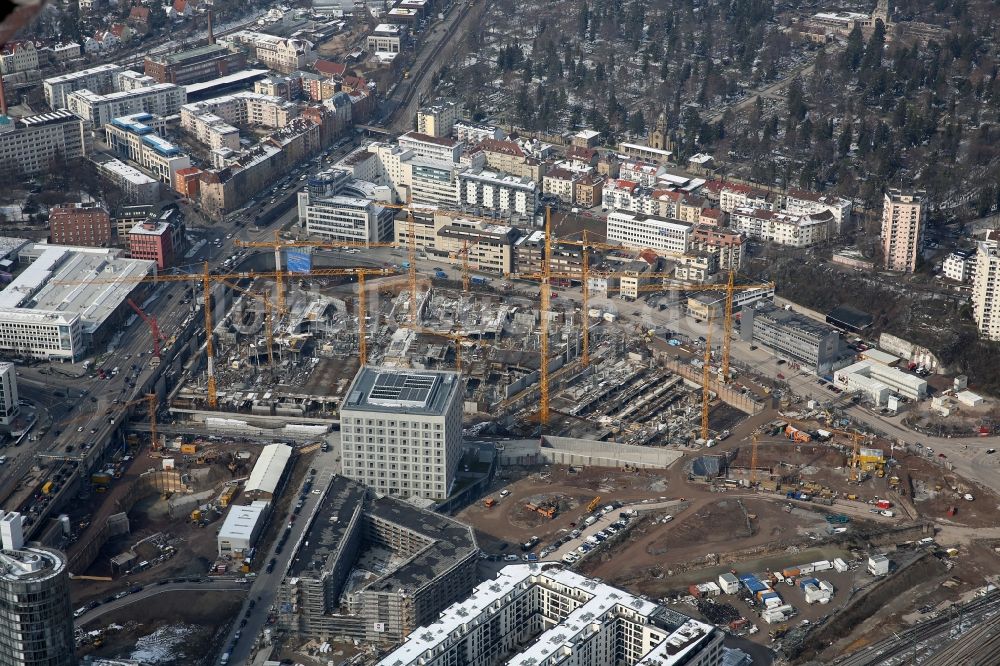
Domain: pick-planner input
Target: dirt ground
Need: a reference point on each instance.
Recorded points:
(718, 526)
(174, 629)
(331, 376)
(510, 522)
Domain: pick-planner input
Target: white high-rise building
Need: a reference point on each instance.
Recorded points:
(986, 290)
(530, 615)
(401, 430)
(903, 215)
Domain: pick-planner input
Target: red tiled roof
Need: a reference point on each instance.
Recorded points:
(497, 146)
(117, 29)
(673, 195)
(714, 213)
(329, 68)
(626, 184)
(140, 13)
(180, 6)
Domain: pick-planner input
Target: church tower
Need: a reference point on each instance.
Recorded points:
(658, 137)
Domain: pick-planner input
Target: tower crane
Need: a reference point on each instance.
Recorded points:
(705, 380)
(152, 402)
(278, 245)
(154, 327)
(206, 278)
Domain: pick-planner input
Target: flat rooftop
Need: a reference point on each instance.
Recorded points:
(64, 280)
(377, 389)
(241, 521)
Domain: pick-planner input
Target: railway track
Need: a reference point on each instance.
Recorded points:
(938, 638)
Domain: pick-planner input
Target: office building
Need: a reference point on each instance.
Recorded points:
(453, 238)
(87, 224)
(986, 289)
(432, 564)
(268, 472)
(385, 38)
(37, 144)
(9, 406)
(530, 615)
(437, 119)
(152, 240)
(203, 63)
(281, 54)
(903, 216)
(241, 528)
(641, 231)
(137, 187)
(436, 148)
(100, 79)
(711, 304)
(794, 337)
(497, 192)
(162, 99)
(878, 381)
(401, 431)
(36, 625)
(135, 138)
(50, 311)
(345, 218)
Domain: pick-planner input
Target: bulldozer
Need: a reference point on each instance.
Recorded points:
(547, 511)
(489, 502)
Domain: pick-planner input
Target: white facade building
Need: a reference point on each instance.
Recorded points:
(960, 266)
(99, 79)
(494, 191)
(432, 147)
(36, 144)
(18, 57)
(801, 202)
(284, 55)
(135, 138)
(986, 290)
(385, 38)
(401, 431)
(241, 528)
(530, 616)
(872, 378)
(782, 228)
(162, 99)
(641, 231)
(345, 218)
(267, 472)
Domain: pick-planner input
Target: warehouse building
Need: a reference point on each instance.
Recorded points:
(51, 311)
(268, 472)
(877, 380)
(794, 337)
(416, 416)
(241, 528)
(433, 564)
(530, 615)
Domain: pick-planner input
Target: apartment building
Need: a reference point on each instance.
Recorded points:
(386, 38)
(626, 196)
(960, 266)
(18, 57)
(641, 173)
(9, 405)
(986, 289)
(135, 138)
(643, 231)
(794, 337)
(530, 615)
(437, 119)
(36, 144)
(728, 244)
(697, 267)
(345, 218)
(803, 202)
(203, 63)
(87, 224)
(244, 108)
(401, 431)
(560, 183)
(588, 191)
(503, 193)
(733, 195)
(782, 228)
(433, 564)
(471, 133)
(99, 79)
(509, 158)
(903, 216)
(281, 54)
(161, 99)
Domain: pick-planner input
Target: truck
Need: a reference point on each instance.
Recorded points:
(883, 504)
(47, 488)
(478, 280)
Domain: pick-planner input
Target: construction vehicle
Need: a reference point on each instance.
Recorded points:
(47, 487)
(489, 503)
(594, 503)
(227, 496)
(154, 328)
(196, 516)
(796, 435)
(838, 519)
(189, 449)
(547, 511)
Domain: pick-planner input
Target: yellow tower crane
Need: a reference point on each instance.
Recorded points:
(706, 380)
(206, 278)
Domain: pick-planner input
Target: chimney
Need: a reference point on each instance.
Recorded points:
(11, 531)
(3, 99)
(211, 37)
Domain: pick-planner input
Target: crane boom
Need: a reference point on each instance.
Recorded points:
(705, 379)
(154, 327)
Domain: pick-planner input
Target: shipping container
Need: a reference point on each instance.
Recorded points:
(822, 565)
(883, 504)
(840, 565)
(805, 569)
(790, 572)
(189, 448)
(808, 581)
